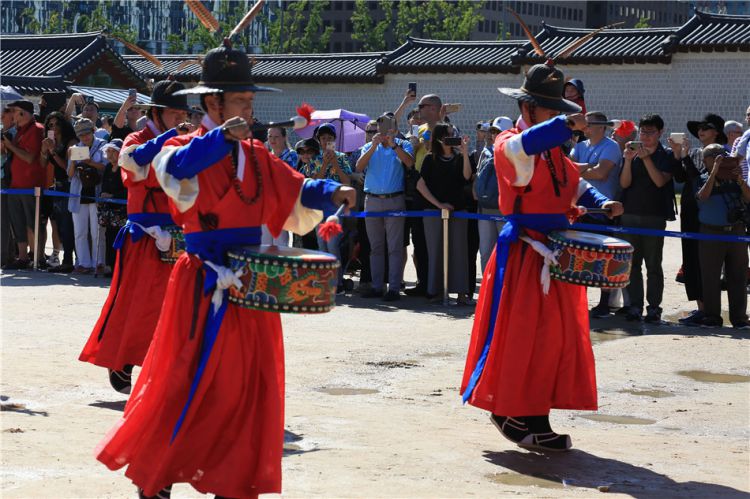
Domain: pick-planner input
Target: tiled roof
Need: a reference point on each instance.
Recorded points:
(714, 32)
(279, 68)
(611, 46)
(60, 55)
(35, 84)
(109, 95)
(436, 56)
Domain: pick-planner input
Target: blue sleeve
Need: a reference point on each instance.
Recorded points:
(316, 195)
(546, 135)
(199, 154)
(574, 154)
(406, 146)
(592, 198)
(612, 153)
(145, 153)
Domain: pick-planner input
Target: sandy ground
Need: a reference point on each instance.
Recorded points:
(373, 407)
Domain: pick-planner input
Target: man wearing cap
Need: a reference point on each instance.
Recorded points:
(385, 158)
(89, 111)
(208, 407)
(112, 216)
(485, 190)
(530, 350)
(26, 172)
(598, 159)
(123, 332)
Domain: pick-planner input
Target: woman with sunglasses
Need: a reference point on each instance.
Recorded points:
(444, 173)
(59, 136)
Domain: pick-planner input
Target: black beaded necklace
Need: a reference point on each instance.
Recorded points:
(553, 173)
(237, 183)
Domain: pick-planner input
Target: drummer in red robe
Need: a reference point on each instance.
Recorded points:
(208, 406)
(123, 332)
(530, 350)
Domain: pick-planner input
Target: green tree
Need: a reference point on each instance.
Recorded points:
(229, 14)
(176, 45)
(437, 19)
(372, 34)
(298, 28)
(98, 20)
(643, 22)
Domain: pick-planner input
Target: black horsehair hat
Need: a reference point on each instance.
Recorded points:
(709, 121)
(225, 69)
(164, 96)
(544, 84)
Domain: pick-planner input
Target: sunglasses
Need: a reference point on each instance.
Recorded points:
(307, 151)
(371, 131)
(648, 132)
(425, 105)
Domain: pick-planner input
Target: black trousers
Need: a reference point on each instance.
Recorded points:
(691, 266)
(648, 250)
(733, 257)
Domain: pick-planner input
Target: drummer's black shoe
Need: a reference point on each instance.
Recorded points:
(550, 441)
(121, 380)
(514, 429)
(164, 493)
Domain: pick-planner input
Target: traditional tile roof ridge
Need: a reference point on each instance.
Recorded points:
(611, 46)
(440, 56)
(709, 32)
(354, 67)
(28, 57)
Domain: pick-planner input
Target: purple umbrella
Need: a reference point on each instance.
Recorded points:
(350, 128)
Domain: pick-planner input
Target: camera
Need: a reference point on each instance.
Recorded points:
(452, 141)
(634, 145)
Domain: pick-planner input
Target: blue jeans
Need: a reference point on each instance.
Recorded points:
(333, 247)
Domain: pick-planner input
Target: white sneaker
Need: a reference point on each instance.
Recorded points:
(53, 260)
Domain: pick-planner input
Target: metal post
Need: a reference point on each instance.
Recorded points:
(95, 244)
(35, 250)
(445, 215)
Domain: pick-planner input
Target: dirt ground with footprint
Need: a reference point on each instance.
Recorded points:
(372, 406)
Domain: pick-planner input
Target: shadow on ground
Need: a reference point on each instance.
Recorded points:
(578, 468)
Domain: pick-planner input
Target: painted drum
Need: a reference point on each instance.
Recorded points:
(177, 246)
(588, 259)
(282, 279)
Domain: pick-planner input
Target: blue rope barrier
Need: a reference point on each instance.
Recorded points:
(578, 226)
(59, 194)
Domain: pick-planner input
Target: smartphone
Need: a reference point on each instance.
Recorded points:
(413, 87)
(89, 99)
(452, 141)
(677, 138)
(79, 153)
(386, 124)
(452, 108)
(51, 134)
(415, 130)
(132, 93)
(330, 146)
(634, 145)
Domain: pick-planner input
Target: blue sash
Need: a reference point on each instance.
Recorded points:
(144, 219)
(543, 223)
(212, 246)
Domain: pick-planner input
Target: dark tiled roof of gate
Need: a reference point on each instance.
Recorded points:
(714, 32)
(436, 56)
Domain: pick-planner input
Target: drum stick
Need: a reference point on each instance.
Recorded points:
(598, 211)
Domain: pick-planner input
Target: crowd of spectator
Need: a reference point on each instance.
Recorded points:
(424, 163)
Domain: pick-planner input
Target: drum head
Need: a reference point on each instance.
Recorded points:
(589, 239)
(285, 252)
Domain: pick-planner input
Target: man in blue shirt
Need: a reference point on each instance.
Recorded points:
(385, 158)
(722, 196)
(599, 159)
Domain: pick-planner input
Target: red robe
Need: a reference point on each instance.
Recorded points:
(127, 321)
(231, 440)
(540, 356)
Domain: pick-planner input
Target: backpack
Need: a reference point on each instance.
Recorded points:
(485, 185)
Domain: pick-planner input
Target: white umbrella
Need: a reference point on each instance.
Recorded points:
(8, 93)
